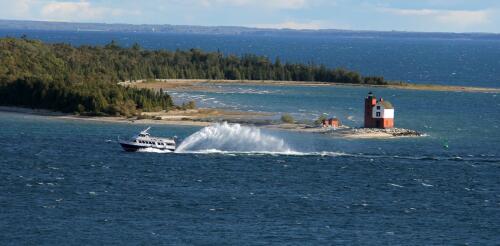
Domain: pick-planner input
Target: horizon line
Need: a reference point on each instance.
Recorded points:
(247, 27)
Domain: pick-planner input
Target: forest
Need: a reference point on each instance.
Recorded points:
(84, 79)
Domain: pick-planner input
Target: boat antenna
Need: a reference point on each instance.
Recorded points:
(145, 131)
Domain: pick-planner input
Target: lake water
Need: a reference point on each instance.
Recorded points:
(69, 182)
(457, 61)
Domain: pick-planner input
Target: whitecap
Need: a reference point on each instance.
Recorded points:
(153, 150)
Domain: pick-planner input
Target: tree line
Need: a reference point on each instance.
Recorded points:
(83, 79)
(92, 98)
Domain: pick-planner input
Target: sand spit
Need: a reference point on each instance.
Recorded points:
(375, 133)
(200, 85)
(206, 117)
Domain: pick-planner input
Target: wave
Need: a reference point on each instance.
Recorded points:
(153, 150)
(341, 155)
(235, 138)
(263, 153)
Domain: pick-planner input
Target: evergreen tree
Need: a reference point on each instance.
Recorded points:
(83, 79)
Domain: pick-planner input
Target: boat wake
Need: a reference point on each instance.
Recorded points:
(233, 138)
(154, 150)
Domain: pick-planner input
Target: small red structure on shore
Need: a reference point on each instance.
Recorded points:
(332, 122)
(378, 114)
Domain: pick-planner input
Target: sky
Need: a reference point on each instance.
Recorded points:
(383, 15)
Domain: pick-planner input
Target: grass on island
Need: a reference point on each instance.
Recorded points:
(198, 85)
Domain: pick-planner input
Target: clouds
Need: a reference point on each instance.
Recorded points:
(15, 9)
(269, 4)
(465, 18)
(60, 10)
(423, 15)
(72, 10)
(458, 18)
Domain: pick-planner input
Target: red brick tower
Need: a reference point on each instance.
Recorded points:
(370, 101)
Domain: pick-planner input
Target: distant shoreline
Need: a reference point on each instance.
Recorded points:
(38, 25)
(196, 85)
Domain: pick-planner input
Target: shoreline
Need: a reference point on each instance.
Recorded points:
(174, 120)
(196, 84)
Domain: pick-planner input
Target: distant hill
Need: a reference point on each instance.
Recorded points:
(229, 30)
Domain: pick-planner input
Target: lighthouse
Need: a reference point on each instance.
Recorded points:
(378, 113)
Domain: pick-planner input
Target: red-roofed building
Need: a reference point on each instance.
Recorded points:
(332, 122)
(378, 114)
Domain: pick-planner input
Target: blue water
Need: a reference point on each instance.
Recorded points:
(469, 121)
(456, 61)
(68, 182)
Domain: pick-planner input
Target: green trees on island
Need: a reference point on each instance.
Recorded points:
(91, 98)
(83, 79)
(287, 118)
(68, 79)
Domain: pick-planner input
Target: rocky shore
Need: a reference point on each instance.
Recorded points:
(375, 133)
(206, 117)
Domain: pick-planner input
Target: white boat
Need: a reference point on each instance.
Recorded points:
(144, 141)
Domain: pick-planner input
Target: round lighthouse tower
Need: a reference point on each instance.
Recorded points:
(370, 102)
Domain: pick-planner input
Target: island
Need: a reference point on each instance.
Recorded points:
(129, 84)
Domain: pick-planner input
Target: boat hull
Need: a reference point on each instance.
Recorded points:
(130, 147)
(134, 148)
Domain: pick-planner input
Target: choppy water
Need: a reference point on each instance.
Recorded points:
(472, 62)
(470, 122)
(69, 182)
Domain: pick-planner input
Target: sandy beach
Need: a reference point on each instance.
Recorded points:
(198, 85)
(206, 117)
(192, 117)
